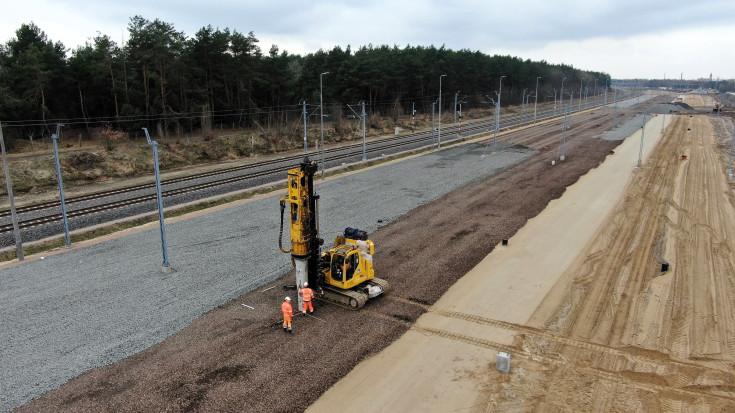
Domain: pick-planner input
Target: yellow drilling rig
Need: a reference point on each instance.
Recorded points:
(343, 274)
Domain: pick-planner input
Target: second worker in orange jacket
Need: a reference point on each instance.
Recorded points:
(308, 296)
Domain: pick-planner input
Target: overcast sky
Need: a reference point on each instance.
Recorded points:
(645, 38)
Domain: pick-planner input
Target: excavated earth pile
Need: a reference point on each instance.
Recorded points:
(237, 359)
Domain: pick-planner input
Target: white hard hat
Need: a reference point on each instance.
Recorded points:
(288, 298)
(306, 284)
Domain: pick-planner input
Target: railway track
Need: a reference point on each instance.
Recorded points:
(46, 213)
(378, 145)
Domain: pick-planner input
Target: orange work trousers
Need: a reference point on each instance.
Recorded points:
(287, 321)
(307, 304)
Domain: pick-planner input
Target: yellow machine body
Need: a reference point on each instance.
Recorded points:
(297, 200)
(348, 265)
(343, 274)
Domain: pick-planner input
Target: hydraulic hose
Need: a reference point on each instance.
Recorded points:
(280, 232)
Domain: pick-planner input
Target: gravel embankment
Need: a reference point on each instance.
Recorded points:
(95, 305)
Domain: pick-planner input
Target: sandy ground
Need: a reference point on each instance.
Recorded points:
(671, 334)
(698, 101)
(579, 300)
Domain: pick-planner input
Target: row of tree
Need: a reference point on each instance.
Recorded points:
(162, 79)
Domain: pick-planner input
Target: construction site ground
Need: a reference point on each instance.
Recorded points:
(577, 298)
(580, 301)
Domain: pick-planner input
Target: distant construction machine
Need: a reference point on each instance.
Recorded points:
(343, 274)
(718, 106)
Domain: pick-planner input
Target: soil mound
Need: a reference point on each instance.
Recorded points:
(683, 105)
(663, 108)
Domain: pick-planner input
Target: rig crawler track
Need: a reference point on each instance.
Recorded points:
(350, 299)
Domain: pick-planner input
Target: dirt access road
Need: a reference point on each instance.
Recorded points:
(601, 330)
(666, 340)
(234, 359)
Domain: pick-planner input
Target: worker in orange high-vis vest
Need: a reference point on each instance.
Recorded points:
(287, 315)
(308, 296)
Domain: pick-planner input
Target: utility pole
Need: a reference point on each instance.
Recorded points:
(495, 105)
(497, 117)
(523, 105)
(456, 95)
(571, 107)
(643, 131)
(535, 104)
(615, 107)
(663, 122)
(456, 102)
(305, 145)
(564, 137)
(580, 94)
(364, 144)
(433, 128)
(13, 215)
(594, 91)
(561, 94)
(497, 124)
(64, 219)
(362, 117)
(159, 198)
(729, 164)
(439, 136)
(321, 117)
